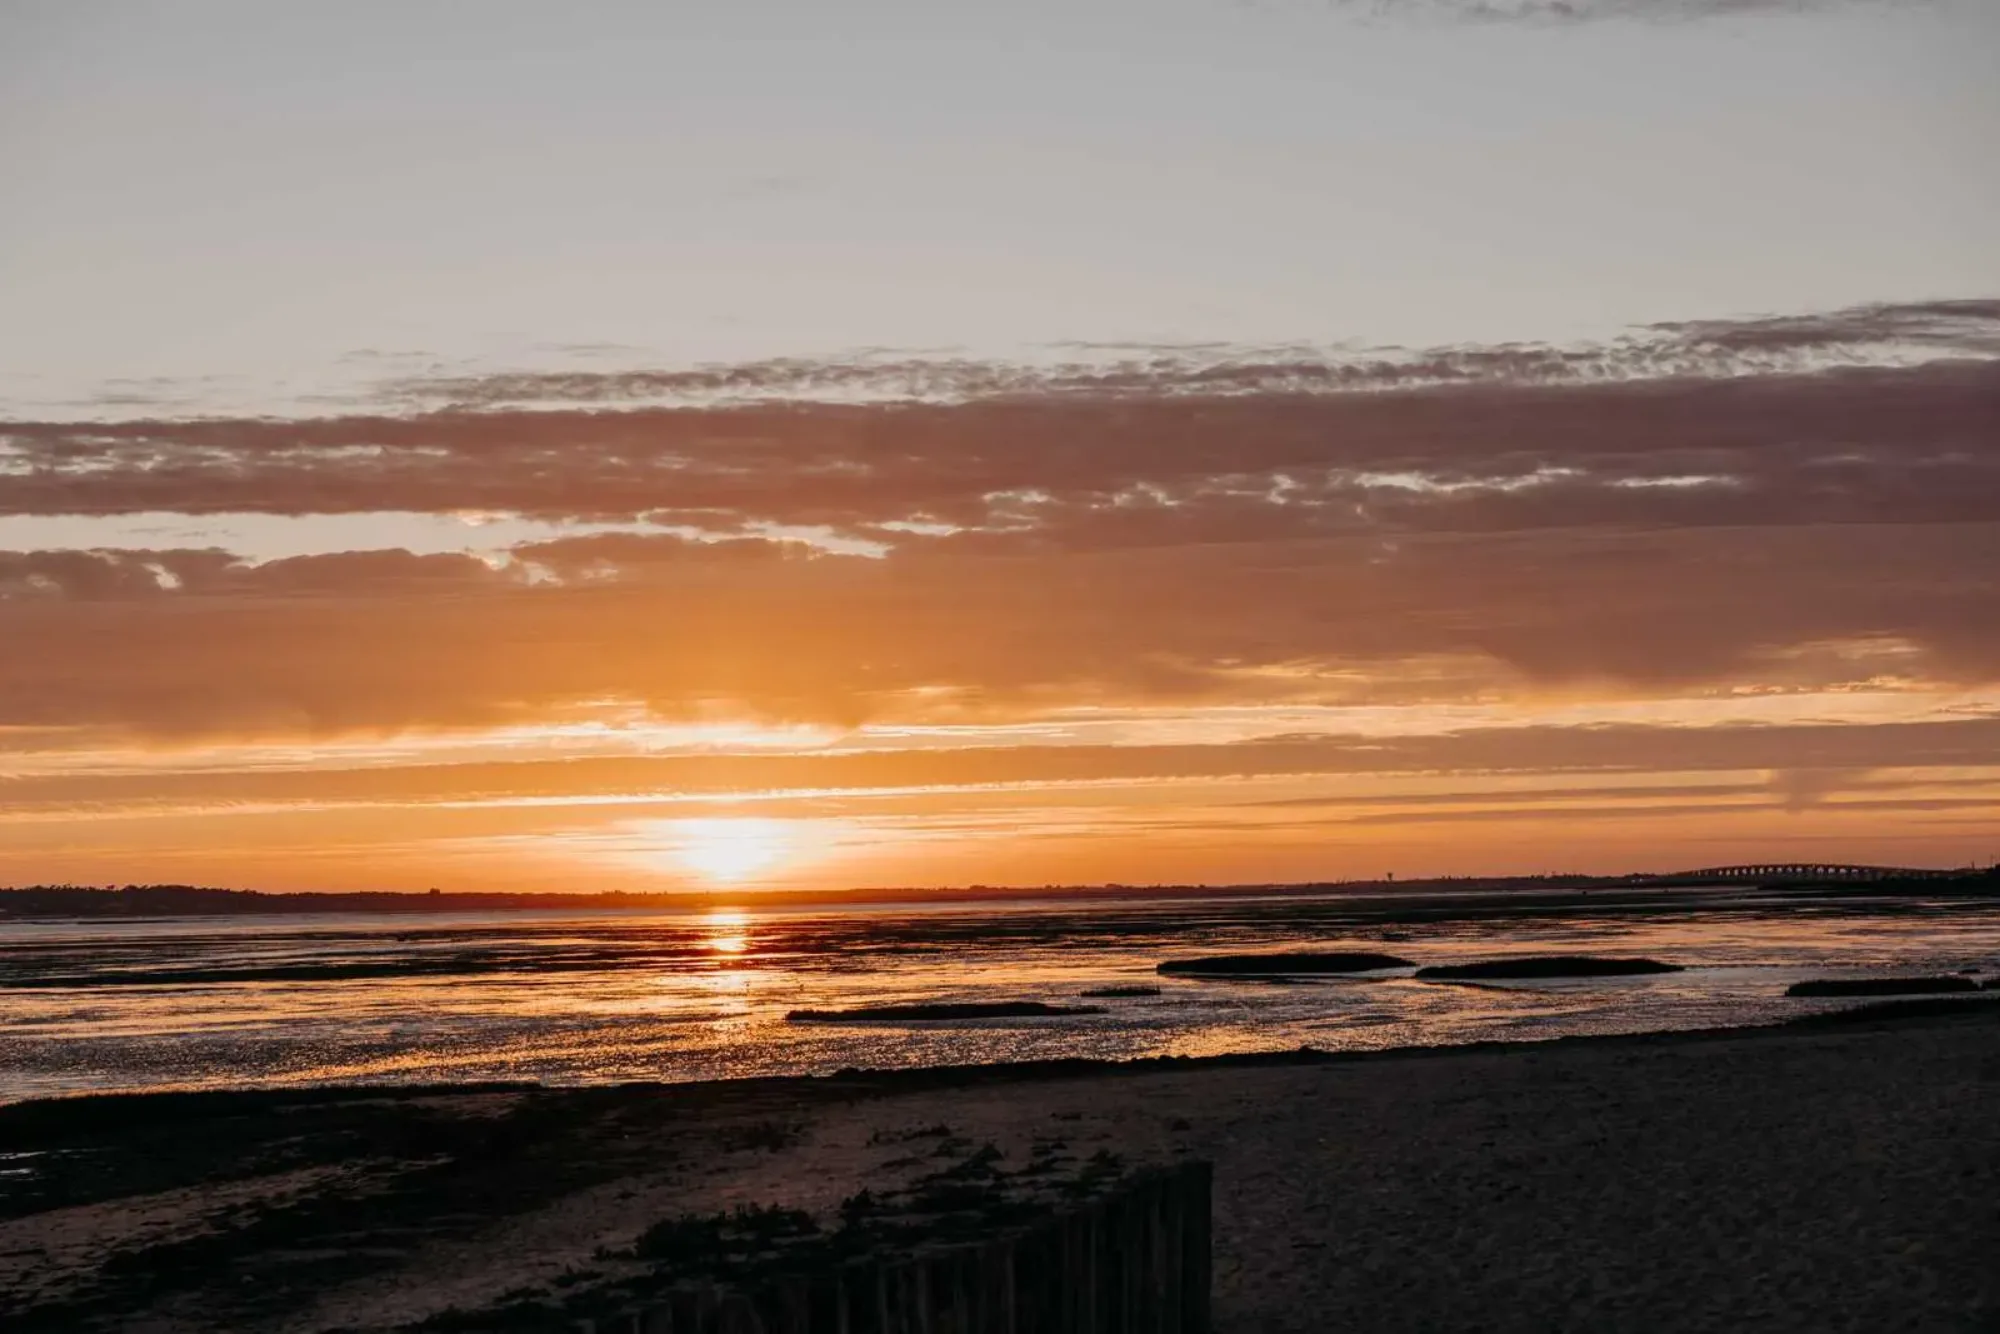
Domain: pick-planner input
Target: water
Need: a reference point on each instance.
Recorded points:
(599, 997)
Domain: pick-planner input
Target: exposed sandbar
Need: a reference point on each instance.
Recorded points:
(1553, 965)
(1280, 965)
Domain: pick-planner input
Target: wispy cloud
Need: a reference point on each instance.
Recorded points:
(1882, 334)
(1879, 414)
(1575, 764)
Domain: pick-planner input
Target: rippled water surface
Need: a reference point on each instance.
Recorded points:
(193, 1003)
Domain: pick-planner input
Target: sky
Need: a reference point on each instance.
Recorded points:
(780, 445)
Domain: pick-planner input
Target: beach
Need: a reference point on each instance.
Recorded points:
(1816, 1176)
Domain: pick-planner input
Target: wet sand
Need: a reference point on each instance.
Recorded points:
(1824, 1177)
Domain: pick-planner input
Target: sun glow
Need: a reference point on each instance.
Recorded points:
(730, 850)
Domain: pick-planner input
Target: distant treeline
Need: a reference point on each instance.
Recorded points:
(199, 901)
(196, 900)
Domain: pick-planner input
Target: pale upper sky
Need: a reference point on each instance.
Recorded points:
(295, 199)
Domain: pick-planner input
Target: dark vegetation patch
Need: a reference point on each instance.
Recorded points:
(746, 1231)
(1551, 965)
(871, 1014)
(766, 1136)
(406, 1171)
(972, 1196)
(109, 1146)
(1254, 965)
(1119, 993)
(515, 1317)
(1881, 986)
(938, 1131)
(1927, 1007)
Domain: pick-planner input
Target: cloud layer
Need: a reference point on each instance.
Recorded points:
(1770, 503)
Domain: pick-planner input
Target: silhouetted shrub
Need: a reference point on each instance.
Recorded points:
(769, 1136)
(693, 1239)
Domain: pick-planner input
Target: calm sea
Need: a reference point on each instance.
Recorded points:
(213, 1002)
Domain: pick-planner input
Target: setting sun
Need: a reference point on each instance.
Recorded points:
(729, 850)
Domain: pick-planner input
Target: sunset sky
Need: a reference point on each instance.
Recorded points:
(653, 446)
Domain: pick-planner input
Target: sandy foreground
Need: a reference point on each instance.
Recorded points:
(1811, 1178)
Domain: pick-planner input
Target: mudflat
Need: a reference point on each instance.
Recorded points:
(1826, 1176)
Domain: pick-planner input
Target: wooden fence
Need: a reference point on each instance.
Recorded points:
(1134, 1261)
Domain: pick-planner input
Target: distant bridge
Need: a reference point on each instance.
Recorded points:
(1767, 872)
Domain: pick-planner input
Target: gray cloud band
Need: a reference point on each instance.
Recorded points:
(1790, 502)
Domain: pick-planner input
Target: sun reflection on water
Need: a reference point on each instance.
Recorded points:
(726, 934)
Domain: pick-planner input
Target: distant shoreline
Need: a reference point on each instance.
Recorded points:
(92, 903)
